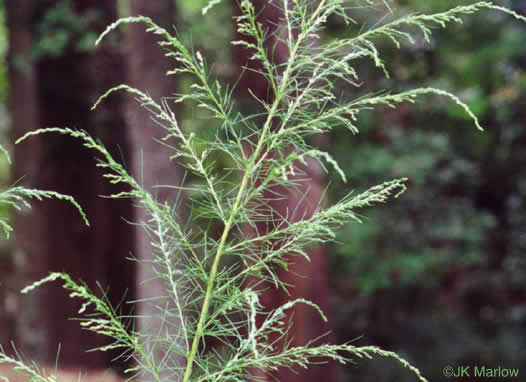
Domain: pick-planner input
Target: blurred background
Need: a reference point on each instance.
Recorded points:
(438, 275)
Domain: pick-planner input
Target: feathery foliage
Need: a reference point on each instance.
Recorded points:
(17, 197)
(207, 278)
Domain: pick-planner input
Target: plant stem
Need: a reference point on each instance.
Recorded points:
(220, 249)
(236, 207)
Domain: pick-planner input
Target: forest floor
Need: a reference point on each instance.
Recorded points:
(7, 371)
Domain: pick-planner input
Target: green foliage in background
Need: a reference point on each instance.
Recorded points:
(60, 27)
(446, 265)
(443, 161)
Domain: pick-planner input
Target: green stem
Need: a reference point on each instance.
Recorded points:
(235, 210)
(220, 249)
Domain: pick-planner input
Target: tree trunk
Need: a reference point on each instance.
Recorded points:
(23, 104)
(147, 67)
(59, 90)
(306, 279)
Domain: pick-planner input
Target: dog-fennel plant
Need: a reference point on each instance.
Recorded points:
(213, 283)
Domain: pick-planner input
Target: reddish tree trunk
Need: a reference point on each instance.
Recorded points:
(23, 104)
(59, 91)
